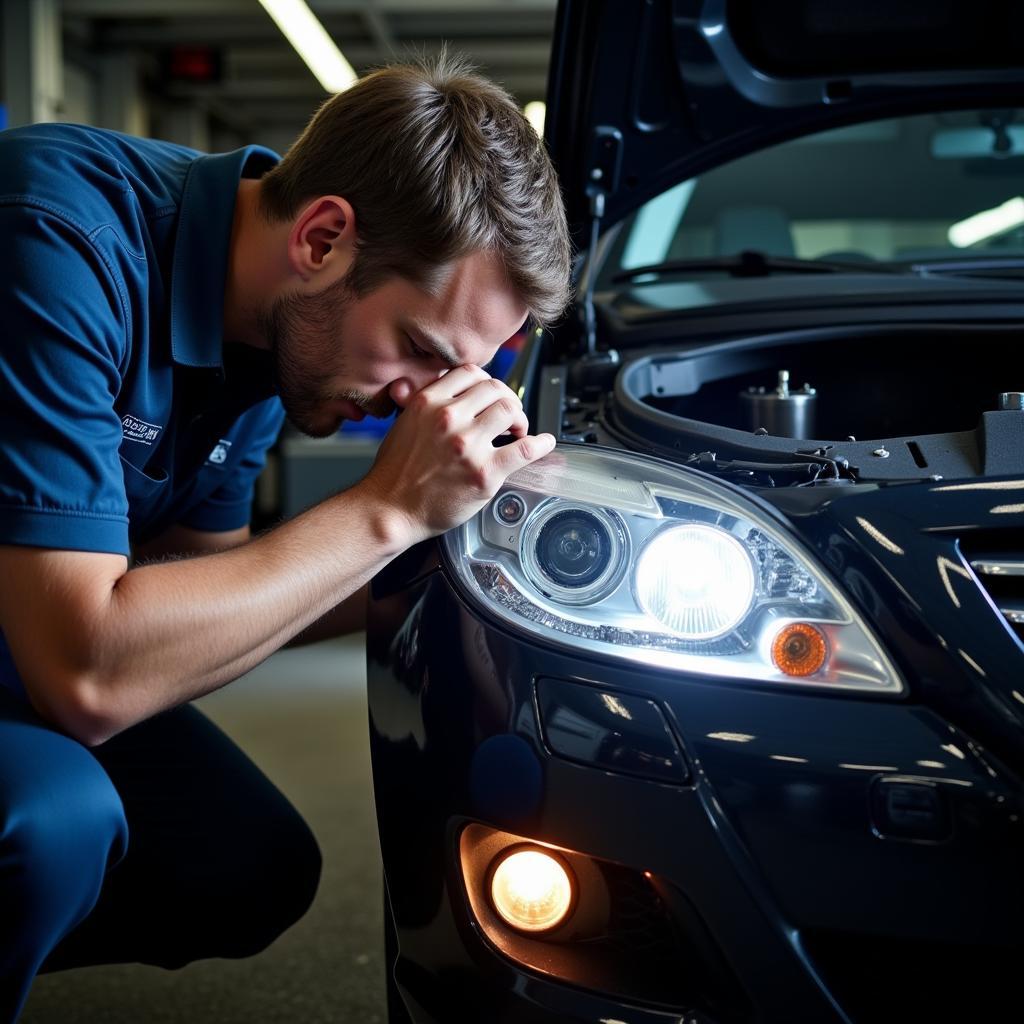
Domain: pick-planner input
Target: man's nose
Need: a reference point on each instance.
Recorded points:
(401, 390)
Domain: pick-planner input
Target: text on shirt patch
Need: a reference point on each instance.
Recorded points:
(135, 429)
(219, 454)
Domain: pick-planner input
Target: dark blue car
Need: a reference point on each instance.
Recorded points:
(717, 713)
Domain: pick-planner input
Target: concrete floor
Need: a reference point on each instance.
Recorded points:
(302, 717)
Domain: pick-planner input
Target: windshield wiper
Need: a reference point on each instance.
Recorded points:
(755, 264)
(979, 266)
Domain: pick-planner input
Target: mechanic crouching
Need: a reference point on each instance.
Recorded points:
(163, 310)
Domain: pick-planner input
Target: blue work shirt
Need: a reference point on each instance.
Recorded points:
(123, 411)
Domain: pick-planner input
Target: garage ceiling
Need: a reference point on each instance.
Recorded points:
(264, 84)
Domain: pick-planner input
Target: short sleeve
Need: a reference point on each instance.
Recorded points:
(230, 506)
(62, 346)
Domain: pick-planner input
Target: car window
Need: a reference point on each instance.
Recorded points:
(934, 186)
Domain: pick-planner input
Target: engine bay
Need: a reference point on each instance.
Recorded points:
(809, 407)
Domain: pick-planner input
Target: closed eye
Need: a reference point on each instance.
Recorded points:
(419, 353)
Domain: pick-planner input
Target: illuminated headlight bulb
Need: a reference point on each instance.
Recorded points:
(697, 580)
(531, 890)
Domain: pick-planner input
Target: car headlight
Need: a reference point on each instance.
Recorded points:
(627, 556)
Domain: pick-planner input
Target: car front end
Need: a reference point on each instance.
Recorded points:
(716, 713)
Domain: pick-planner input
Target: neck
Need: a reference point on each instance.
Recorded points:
(256, 267)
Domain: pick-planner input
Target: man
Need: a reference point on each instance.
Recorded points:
(159, 308)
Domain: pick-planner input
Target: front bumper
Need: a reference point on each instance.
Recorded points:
(773, 843)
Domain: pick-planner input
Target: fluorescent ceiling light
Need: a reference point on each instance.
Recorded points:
(312, 43)
(535, 112)
(987, 223)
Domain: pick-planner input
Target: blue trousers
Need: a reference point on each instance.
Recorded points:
(162, 846)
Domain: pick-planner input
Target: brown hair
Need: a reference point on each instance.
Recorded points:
(437, 163)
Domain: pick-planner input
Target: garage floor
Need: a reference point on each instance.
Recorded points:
(302, 717)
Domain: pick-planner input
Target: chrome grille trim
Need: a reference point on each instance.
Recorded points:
(1014, 613)
(998, 567)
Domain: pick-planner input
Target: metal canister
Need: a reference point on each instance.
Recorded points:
(783, 413)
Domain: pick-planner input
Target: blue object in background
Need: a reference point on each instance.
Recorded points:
(370, 428)
(503, 360)
(3, 116)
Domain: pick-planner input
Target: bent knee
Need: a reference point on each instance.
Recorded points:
(62, 822)
(290, 878)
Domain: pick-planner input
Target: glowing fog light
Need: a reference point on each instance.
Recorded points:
(531, 890)
(698, 580)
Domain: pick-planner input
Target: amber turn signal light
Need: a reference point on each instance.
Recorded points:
(799, 649)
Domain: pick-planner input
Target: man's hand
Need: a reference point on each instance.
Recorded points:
(438, 466)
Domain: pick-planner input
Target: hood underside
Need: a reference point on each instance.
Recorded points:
(643, 95)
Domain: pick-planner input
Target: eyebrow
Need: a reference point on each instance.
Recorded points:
(442, 350)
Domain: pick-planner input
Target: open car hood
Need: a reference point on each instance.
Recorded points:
(643, 94)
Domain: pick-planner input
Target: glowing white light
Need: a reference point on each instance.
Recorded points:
(531, 890)
(987, 223)
(697, 580)
(303, 30)
(535, 112)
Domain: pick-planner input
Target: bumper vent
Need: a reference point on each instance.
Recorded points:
(1001, 573)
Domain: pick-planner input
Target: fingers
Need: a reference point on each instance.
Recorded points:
(453, 383)
(503, 414)
(471, 394)
(491, 401)
(524, 451)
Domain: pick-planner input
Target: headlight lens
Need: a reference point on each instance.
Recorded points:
(573, 553)
(634, 558)
(697, 580)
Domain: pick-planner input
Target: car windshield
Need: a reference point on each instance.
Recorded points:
(935, 192)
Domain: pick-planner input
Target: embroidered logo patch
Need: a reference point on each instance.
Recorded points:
(219, 455)
(135, 429)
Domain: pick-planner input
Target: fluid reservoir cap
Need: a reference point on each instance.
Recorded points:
(1012, 400)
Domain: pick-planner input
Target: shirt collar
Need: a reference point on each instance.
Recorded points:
(199, 270)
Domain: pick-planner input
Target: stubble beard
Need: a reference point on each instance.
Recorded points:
(302, 332)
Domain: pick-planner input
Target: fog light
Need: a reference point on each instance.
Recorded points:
(531, 889)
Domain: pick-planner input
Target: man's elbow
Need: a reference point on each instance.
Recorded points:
(79, 707)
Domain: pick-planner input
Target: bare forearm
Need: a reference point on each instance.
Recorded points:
(175, 630)
(342, 620)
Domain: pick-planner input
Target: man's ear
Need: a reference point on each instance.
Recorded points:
(322, 240)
